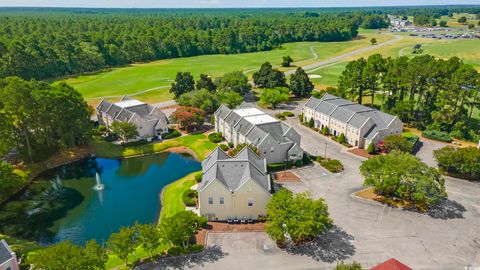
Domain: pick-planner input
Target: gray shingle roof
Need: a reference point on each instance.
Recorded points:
(276, 131)
(312, 103)
(143, 111)
(5, 252)
(256, 135)
(234, 171)
(222, 111)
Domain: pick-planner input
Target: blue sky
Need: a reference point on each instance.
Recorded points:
(224, 3)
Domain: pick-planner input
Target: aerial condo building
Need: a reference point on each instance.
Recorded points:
(361, 125)
(276, 141)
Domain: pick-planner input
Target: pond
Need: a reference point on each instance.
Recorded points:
(63, 203)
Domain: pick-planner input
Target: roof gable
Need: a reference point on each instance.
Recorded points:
(6, 253)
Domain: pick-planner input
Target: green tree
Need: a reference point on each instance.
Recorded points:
(300, 84)
(125, 130)
(325, 131)
(348, 266)
(66, 255)
(189, 117)
(274, 96)
(202, 99)
(471, 26)
(123, 242)
(462, 19)
(149, 237)
(352, 80)
(373, 41)
(404, 176)
(287, 61)
(396, 143)
(230, 98)
(296, 216)
(443, 23)
(205, 82)
(11, 180)
(268, 77)
(234, 81)
(183, 83)
(177, 230)
(459, 162)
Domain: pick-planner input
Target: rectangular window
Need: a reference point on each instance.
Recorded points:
(222, 200)
(210, 200)
(250, 202)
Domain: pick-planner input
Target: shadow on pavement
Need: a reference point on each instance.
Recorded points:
(334, 245)
(209, 255)
(447, 210)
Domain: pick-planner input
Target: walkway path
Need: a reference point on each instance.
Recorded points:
(346, 55)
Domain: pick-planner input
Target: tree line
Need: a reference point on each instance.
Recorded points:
(173, 235)
(39, 119)
(43, 45)
(429, 93)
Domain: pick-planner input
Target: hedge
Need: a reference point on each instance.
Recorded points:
(215, 137)
(437, 135)
(288, 114)
(278, 166)
(332, 165)
(172, 133)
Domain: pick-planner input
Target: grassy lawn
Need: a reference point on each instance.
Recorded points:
(198, 143)
(140, 77)
(172, 195)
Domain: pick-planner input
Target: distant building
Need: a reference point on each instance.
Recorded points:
(361, 125)
(275, 140)
(8, 259)
(391, 264)
(150, 121)
(234, 187)
(398, 22)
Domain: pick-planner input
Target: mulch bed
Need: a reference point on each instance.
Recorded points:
(201, 236)
(286, 176)
(360, 152)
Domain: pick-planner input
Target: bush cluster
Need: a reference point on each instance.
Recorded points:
(198, 177)
(190, 198)
(215, 137)
(177, 250)
(437, 135)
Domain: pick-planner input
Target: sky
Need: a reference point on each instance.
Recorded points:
(224, 3)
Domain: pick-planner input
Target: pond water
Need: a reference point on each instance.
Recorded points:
(62, 204)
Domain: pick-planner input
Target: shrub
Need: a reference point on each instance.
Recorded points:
(341, 138)
(172, 133)
(437, 135)
(288, 114)
(224, 147)
(300, 118)
(411, 138)
(190, 197)
(281, 116)
(299, 163)
(193, 249)
(371, 148)
(459, 162)
(230, 145)
(326, 131)
(215, 137)
(212, 120)
(348, 266)
(332, 165)
(311, 123)
(198, 177)
(174, 251)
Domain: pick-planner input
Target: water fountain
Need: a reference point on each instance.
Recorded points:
(99, 185)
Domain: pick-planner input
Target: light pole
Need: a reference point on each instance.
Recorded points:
(325, 150)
